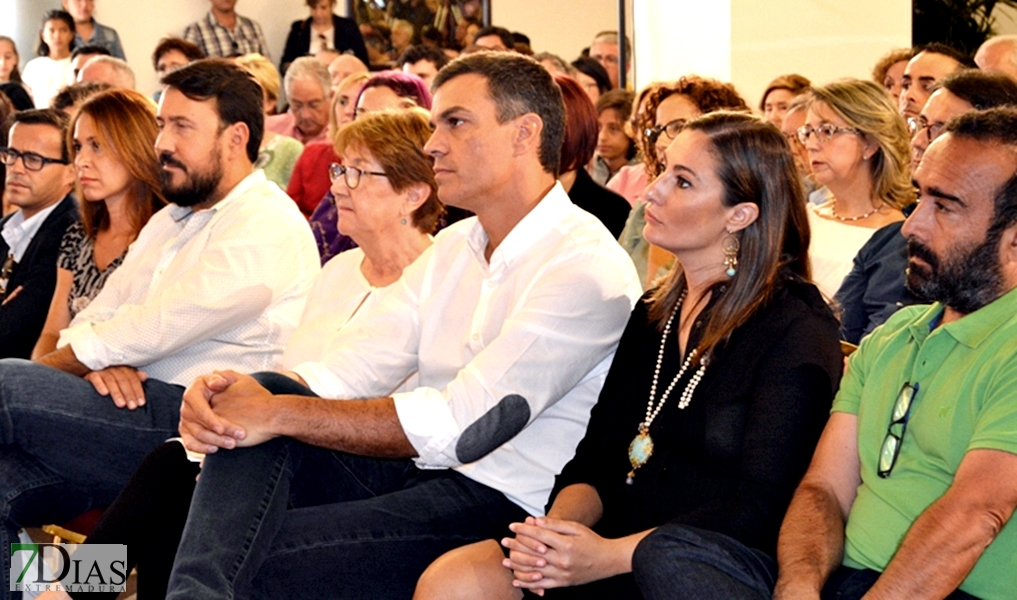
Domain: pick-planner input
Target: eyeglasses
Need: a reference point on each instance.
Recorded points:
(932, 130)
(5, 275)
(352, 174)
(671, 128)
(890, 449)
(824, 133)
(32, 161)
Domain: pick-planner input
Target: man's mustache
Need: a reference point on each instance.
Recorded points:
(166, 159)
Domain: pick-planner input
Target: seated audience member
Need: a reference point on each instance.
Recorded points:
(794, 118)
(858, 148)
(631, 180)
(113, 152)
(309, 184)
(278, 153)
(668, 108)
(308, 91)
(423, 61)
(111, 71)
(874, 289)
(592, 76)
(682, 497)
(480, 319)
(930, 64)
(51, 70)
(615, 148)
(555, 64)
(38, 185)
(495, 38)
(390, 216)
(172, 53)
(18, 94)
(6, 110)
(915, 477)
(343, 66)
(778, 95)
(401, 37)
(577, 149)
(377, 51)
(218, 278)
(322, 30)
(74, 95)
(89, 32)
(9, 60)
(223, 33)
(604, 49)
(999, 54)
(83, 54)
(889, 71)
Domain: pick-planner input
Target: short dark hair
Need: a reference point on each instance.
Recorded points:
(993, 126)
(90, 49)
(419, 52)
(518, 85)
(237, 95)
(619, 101)
(591, 68)
(76, 93)
(45, 116)
(938, 48)
(580, 141)
(504, 34)
(981, 89)
(18, 95)
(167, 44)
(55, 15)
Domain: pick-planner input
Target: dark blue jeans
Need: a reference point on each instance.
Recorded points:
(65, 449)
(678, 561)
(851, 584)
(288, 520)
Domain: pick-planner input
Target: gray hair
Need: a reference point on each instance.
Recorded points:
(121, 70)
(308, 67)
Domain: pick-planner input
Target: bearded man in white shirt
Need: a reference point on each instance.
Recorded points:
(219, 277)
(510, 320)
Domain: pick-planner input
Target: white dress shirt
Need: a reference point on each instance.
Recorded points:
(19, 231)
(204, 290)
(511, 352)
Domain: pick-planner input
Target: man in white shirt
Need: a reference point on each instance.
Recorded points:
(39, 184)
(510, 320)
(219, 277)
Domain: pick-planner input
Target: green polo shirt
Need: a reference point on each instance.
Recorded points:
(967, 399)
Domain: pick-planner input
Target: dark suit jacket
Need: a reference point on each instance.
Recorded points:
(347, 37)
(22, 318)
(609, 207)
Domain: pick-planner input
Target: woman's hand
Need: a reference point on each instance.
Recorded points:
(548, 553)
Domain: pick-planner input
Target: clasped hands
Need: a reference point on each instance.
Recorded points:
(548, 553)
(225, 409)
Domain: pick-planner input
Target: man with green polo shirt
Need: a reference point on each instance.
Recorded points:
(914, 481)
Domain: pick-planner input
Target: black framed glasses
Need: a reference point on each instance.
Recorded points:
(918, 124)
(824, 133)
(351, 174)
(671, 129)
(890, 449)
(31, 160)
(5, 275)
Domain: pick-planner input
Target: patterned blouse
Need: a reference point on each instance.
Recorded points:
(76, 255)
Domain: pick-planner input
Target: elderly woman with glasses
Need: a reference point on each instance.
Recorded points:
(665, 111)
(387, 199)
(858, 148)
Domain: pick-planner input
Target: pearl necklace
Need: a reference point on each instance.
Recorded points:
(833, 212)
(641, 448)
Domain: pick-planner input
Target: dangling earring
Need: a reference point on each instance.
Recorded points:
(731, 246)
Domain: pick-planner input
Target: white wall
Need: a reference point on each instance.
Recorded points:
(558, 26)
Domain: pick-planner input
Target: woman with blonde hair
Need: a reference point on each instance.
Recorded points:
(113, 150)
(858, 146)
(278, 154)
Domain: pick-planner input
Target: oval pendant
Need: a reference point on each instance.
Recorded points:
(641, 449)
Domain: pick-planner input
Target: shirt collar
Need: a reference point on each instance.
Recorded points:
(179, 213)
(544, 217)
(970, 330)
(19, 231)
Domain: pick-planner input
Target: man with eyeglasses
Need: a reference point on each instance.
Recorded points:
(604, 50)
(39, 182)
(915, 477)
(309, 91)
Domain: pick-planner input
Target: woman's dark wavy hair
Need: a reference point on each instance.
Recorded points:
(754, 164)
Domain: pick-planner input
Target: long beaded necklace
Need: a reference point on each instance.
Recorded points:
(641, 447)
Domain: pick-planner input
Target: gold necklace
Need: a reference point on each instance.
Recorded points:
(833, 212)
